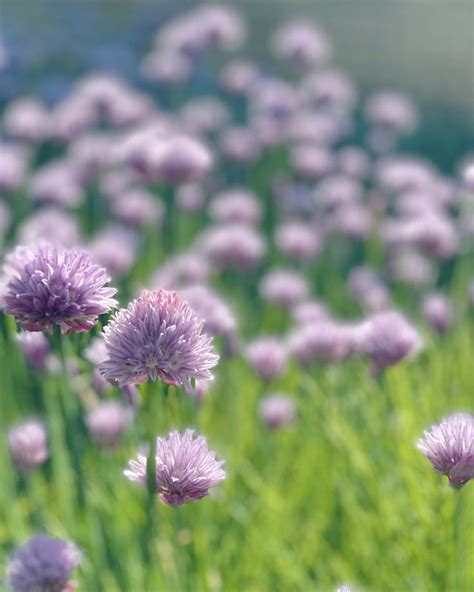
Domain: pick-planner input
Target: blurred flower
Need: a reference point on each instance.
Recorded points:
(138, 207)
(273, 98)
(284, 287)
(322, 340)
(329, 89)
(298, 240)
(309, 311)
(204, 115)
(410, 267)
(311, 161)
(43, 564)
(449, 447)
(267, 357)
(107, 422)
(57, 286)
(35, 348)
(301, 43)
(26, 119)
(240, 143)
(238, 76)
(115, 247)
(368, 289)
(217, 316)
(238, 246)
(438, 311)
(277, 410)
(167, 66)
(172, 159)
(13, 165)
(180, 271)
(235, 205)
(55, 183)
(28, 445)
(185, 468)
(392, 111)
(190, 197)
(95, 352)
(157, 336)
(387, 338)
(48, 223)
(353, 162)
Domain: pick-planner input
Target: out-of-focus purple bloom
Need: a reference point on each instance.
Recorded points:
(26, 119)
(107, 422)
(274, 99)
(217, 316)
(438, 311)
(185, 468)
(267, 357)
(311, 161)
(321, 340)
(35, 348)
(337, 191)
(28, 445)
(172, 159)
(468, 175)
(240, 143)
(313, 128)
(387, 338)
(13, 165)
(48, 223)
(204, 115)
(96, 352)
(298, 240)
(301, 43)
(344, 589)
(166, 66)
(410, 267)
(277, 410)
(89, 154)
(329, 89)
(392, 111)
(115, 247)
(235, 205)
(353, 162)
(55, 183)
(368, 289)
(180, 271)
(43, 564)
(138, 207)
(237, 77)
(238, 246)
(190, 197)
(400, 173)
(70, 118)
(61, 287)
(284, 287)
(158, 336)
(308, 312)
(449, 447)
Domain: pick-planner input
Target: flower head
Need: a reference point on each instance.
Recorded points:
(43, 564)
(185, 468)
(108, 421)
(268, 357)
(55, 286)
(28, 445)
(449, 447)
(277, 410)
(157, 336)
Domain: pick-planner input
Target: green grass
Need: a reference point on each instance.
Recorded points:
(344, 495)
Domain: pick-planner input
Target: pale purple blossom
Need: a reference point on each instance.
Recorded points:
(277, 410)
(238, 246)
(35, 348)
(212, 308)
(158, 336)
(57, 286)
(268, 357)
(301, 43)
(235, 206)
(438, 311)
(43, 564)
(284, 287)
(107, 422)
(449, 447)
(185, 468)
(28, 445)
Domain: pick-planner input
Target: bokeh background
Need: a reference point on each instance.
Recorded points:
(422, 47)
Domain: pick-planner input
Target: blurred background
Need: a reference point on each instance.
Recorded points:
(422, 47)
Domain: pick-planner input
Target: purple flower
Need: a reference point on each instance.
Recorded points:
(35, 348)
(284, 287)
(322, 340)
(386, 338)
(235, 206)
(217, 316)
(277, 410)
(185, 468)
(157, 336)
(57, 286)
(438, 311)
(268, 357)
(43, 564)
(28, 445)
(449, 447)
(107, 422)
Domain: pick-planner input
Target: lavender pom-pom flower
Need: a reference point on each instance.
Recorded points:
(43, 564)
(158, 336)
(185, 468)
(55, 286)
(28, 445)
(449, 447)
